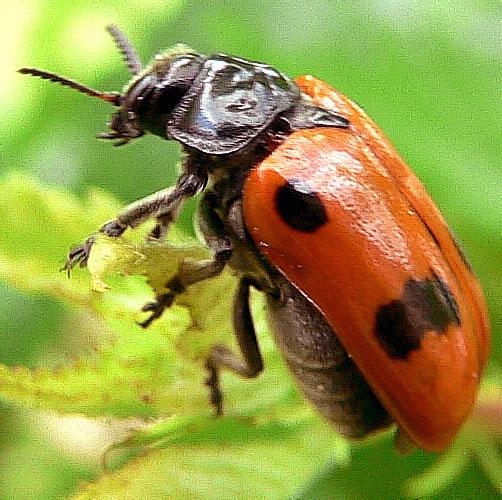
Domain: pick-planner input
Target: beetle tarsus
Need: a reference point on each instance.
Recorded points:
(157, 307)
(79, 255)
(215, 393)
(113, 228)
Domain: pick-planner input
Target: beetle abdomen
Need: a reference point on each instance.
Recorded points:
(324, 372)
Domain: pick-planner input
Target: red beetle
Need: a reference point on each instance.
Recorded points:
(370, 297)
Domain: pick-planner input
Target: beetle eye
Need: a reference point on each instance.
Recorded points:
(166, 99)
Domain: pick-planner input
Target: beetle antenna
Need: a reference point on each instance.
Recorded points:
(129, 54)
(109, 97)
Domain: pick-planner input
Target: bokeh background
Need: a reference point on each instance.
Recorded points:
(428, 72)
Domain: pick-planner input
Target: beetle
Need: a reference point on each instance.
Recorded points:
(370, 298)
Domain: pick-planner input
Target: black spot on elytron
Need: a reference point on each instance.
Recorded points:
(300, 207)
(425, 305)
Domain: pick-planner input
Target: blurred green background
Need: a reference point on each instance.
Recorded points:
(428, 72)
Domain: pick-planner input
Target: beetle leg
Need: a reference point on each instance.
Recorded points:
(188, 274)
(222, 357)
(163, 204)
(160, 230)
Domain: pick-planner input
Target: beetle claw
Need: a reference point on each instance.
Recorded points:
(78, 256)
(157, 308)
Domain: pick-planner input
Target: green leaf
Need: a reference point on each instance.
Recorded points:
(225, 458)
(128, 371)
(376, 471)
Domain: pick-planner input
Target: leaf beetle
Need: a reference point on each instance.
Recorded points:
(370, 297)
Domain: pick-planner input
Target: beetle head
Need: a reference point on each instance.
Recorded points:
(147, 101)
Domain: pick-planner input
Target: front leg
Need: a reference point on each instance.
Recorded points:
(190, 272)
(164, 205)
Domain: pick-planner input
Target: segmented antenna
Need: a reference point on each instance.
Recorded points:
(129, 54)
(109, 97)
